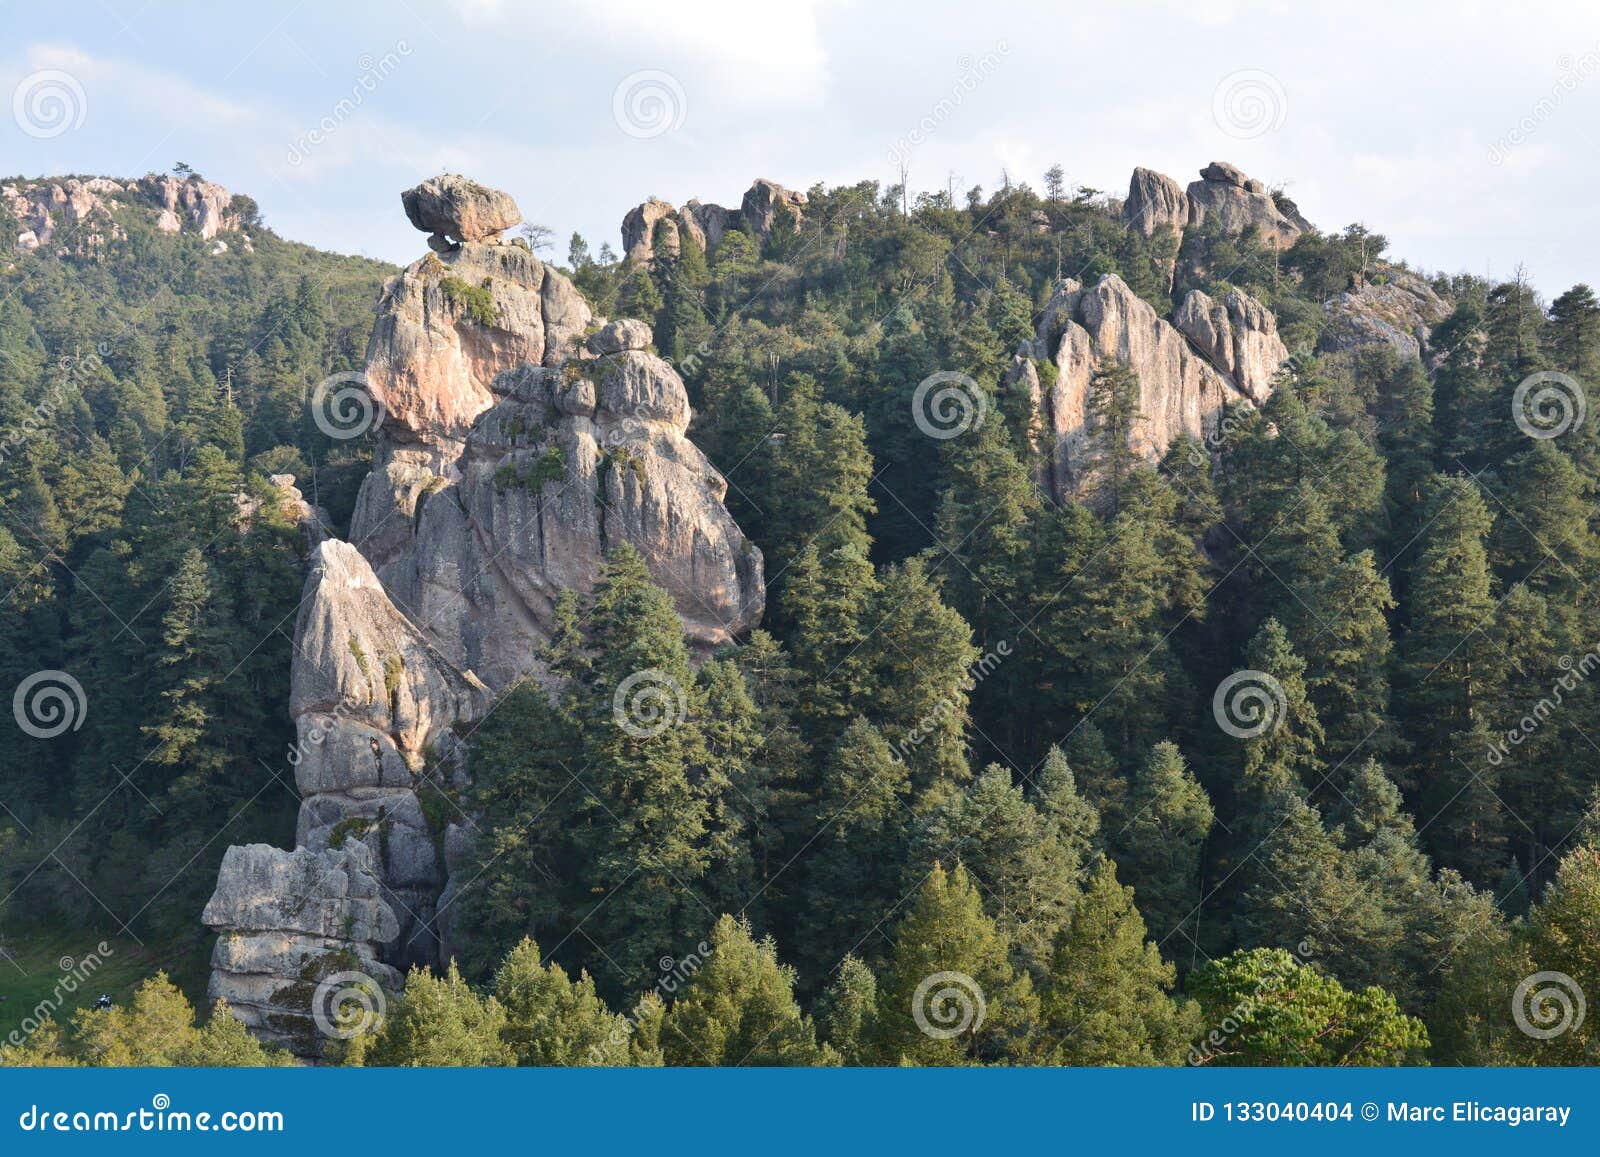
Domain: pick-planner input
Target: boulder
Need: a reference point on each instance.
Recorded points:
(453, 206)
(617, 336)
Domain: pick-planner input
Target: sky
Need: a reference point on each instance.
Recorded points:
(1465, 132)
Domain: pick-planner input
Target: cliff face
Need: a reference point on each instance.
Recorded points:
(521, 439)
(1210, 355)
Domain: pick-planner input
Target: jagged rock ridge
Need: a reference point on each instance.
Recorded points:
(42, 207)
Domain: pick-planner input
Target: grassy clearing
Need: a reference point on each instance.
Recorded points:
(34, 964)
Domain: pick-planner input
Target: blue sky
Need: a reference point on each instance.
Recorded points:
(1466, 132)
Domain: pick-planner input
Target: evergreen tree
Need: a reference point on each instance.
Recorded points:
(1108, 999)
(739, 1009)
(950, 994)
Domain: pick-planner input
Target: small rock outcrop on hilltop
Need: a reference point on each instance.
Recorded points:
(1392, 307)
(84, 211)
(1155, 202)
(521, 439)
(1212, 354)
(658, 222)
(1236, 202)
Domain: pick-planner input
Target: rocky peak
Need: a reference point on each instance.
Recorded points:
(1155, 202)
(1236, 202)
(639, 231)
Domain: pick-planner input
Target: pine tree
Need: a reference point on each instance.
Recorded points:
(1158, 848)
(1283, 1012)
(1113, 407)
(551, 1019)
(739, 1009)
(847, 1012)
(1108, 999)
(439, 1020)
(950, 995)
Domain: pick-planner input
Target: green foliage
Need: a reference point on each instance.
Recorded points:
(475, 301)
(1284, 1012)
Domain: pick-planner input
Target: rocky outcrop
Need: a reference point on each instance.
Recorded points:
(190, 205)
(452, 207)
(1394, 307)
(659, 223)
(292, 921)
(1238, 334)
(1180, 391)
(1155, 202)
(762, 203)
(42, 207)
(87, 209)
(452, 322)
(1234, 202)
(706, 223)
(640, 230)
(522, 439)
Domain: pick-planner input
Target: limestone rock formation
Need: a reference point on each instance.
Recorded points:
(456, 208)
(1237, 202)
(1238, 334)
(1180, 392)
(657, 222)
(1394, 307)
(522, 439)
